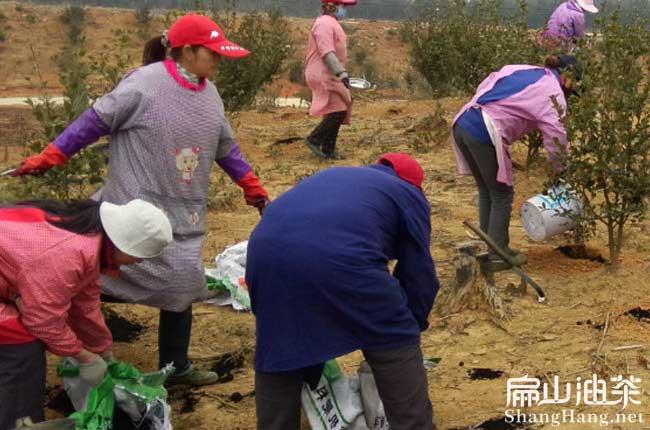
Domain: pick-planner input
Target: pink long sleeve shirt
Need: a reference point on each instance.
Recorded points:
(56, 275)
(517, 115)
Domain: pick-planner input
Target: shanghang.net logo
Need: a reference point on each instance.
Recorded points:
(595, 392)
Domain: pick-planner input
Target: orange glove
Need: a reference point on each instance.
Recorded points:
(254, 191)
(38, 164)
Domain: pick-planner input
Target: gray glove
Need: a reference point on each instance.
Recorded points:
(333, 64)
(93, 372)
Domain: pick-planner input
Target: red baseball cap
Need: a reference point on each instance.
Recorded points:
(405, 166)
(196, 29)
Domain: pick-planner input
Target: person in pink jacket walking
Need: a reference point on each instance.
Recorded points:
(567, 24)
(509, 104)
(51, 258)
(328, 79)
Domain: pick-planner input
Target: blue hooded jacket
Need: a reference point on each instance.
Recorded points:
(317, 268)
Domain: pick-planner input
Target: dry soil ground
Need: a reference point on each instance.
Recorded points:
(559, 338)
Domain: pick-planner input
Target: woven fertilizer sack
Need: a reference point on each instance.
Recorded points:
(335, 403)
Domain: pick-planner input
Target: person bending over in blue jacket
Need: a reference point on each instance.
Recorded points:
(317, 269)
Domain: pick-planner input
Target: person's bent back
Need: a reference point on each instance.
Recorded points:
(320, 284)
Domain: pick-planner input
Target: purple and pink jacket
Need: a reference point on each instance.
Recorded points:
(566, 24)
(511, 118)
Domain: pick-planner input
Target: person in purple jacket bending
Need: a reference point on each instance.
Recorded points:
(167, 128)
(567, 24)
(509, 104)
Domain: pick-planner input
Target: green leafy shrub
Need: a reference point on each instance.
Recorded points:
(455, 46)
(609, 128)
(264, 34)
(83, 173)
(110, 65)
(267, 37)
(74, 18)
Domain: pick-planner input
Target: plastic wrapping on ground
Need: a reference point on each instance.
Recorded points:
(227, 280)
(141, 397)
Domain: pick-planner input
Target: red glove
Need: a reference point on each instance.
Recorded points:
(254, 191)
(38, 164)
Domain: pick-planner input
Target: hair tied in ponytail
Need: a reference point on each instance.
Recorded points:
(164, 40)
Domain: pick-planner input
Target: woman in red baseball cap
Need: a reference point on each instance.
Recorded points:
(327, 78)
(167, 127)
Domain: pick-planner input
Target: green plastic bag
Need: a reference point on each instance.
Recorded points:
(135, 389)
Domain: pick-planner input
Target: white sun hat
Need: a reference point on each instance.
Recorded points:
(587, 5)
(137, 228)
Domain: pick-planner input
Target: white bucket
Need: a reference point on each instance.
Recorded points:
(545, 215)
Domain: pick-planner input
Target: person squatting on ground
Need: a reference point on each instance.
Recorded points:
(317, 268)
(508, 105)
(327, 78)
(167, 127)
(51, 257)
(566, 25)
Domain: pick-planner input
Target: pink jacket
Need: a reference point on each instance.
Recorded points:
(517, 115)
(56, 275)
(328, 93)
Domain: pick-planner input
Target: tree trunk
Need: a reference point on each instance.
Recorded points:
(471, 288)
(614, 246)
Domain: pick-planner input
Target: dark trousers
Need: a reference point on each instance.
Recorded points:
(22, 383)
(174, 332)
(401, 381)
(326, 133)
(494, 198)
